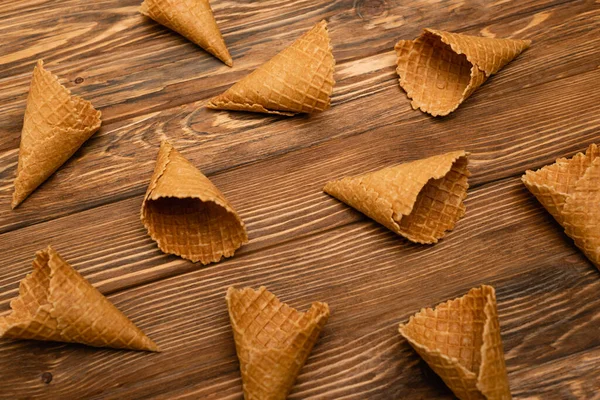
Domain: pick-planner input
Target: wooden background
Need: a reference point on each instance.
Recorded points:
(151, 84)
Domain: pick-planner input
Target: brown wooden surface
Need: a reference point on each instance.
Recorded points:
(151, 84)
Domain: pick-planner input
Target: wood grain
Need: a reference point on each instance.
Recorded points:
(151, 84)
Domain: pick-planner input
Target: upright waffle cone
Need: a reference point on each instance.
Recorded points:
(420, 200)
(56, 124)
(297, 80)
(570, 190)
(56, 303)
(272, 340)
(192, 19)
(186, 214)
(460, 340)
(439, 70)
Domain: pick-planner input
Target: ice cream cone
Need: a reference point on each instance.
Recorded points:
(192, 19)
(272, 340)
(570, 190)
(460, 340)
(439, 70)
(297, 80)
(56, 303)
(56, 124)
(186, 214)
(420, 200)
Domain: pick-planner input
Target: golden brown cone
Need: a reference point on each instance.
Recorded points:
(297, 80)
(55, 126)
(570, 190)
(56, 303)
(186, 214)
(419, 200)
(439, 70)
(460, 340)
(192, 19)
(272, 340)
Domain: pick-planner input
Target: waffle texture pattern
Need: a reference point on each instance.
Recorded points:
(297, 80)
(56, 303)
(272, 340)
(186, 214)
(570, 190)
(419, 200)
(55, 126)
(192, 19)
(460, 340)
(439, 70)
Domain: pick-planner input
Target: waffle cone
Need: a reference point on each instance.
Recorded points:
(420, 200)
(297, 80)
(570, 190)
(56, 303)
(460, 340)
(192, 19)
(439, 70)
(56, 124)
(186, 214)
(272, 340)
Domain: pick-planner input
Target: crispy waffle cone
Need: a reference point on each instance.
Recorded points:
(272, 340)
(297, 80)
(56, 124)
(420, 200)
(460, 340)
(439, 70)
(570, 190)
(186, 214)
(56, 303)
(192, 19)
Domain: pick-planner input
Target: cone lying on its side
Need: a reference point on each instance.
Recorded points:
(439, 70)
(56, 303)
(297, 80)
(570, 190)
(272, 340)
(192, 19)
(186, 214)
(460, 340)
(56, 124)
(420, 200)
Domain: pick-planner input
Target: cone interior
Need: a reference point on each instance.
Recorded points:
(420, 200)
(569, 190)
(272, 340)
(186, 214)
(55, 125)
(439, 70)
(56, 303)
(460, 340)
(297, 80)
(436, 78)
(193, 19)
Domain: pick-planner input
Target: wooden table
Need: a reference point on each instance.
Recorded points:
(151, 84)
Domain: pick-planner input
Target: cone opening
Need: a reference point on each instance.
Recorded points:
(193, 229)
(436, 77)
(268, 323)
(34, 292)
(438, 207)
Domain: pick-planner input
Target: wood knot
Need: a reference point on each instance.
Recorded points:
(368, 9)
(46, 377)
(78, 80)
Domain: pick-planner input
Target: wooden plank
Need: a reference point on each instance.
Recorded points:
(118, 164)
(548, 303)
(305, 246)
(116, 161)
